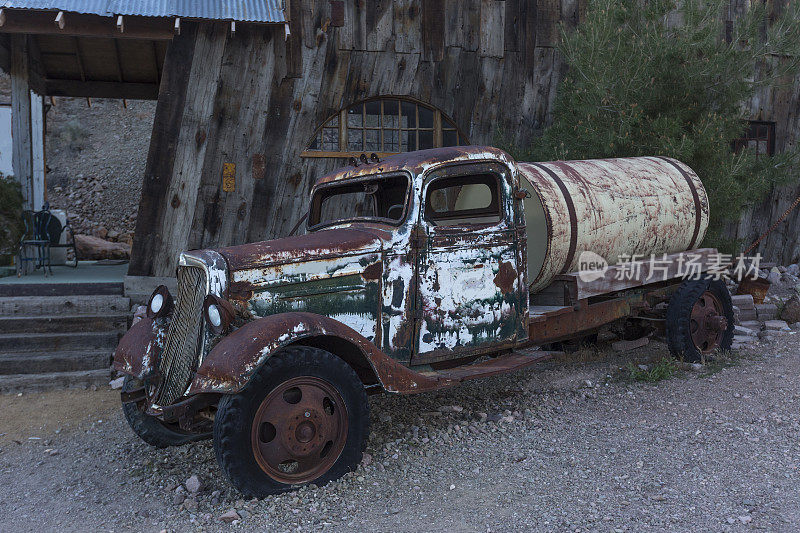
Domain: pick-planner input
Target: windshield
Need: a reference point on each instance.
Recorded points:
(375, 199)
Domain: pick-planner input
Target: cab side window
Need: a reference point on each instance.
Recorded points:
(463, 200)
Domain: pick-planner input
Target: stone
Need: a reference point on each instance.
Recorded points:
(766, 311)
(193, 484)
(624, 346)
(754, 325)
(90, 247)
(366, 459)
(178, 499)
(117, 383)
(744, 339)
(741, 330)
(746, 315)
(743, 301)
(745, 519)
(112, 235)
(791, 310)
(793, 269)
(100, 232)
(777, 325)
(230, 516)
(774, 277)
(697, 367)
(190, 504)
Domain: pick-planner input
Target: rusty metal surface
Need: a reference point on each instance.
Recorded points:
(757, 288)
(707, 323)
(638, 205)
(498, 365)
(559, 323)
(296, 436)
(229, 366)
(140, 348)
(420, 162)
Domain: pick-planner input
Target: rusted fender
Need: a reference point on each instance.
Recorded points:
(140, 347)
(234, 360)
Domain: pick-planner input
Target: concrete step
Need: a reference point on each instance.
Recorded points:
(54, 342)
(56, 380)
(58, 305)
(45, 362)
(58, 324)
(61, 289)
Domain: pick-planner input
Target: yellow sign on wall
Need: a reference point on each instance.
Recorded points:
(228, 177)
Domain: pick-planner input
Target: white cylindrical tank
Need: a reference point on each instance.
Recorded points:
(613, 207)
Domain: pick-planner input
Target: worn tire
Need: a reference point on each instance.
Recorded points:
(678, 326)
(233, 422)
(152, 430)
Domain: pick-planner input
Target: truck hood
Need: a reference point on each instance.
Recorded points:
(337, 242)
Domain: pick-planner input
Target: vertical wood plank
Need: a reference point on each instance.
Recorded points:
(21, 118)
(38, 191)
(161, 155)
(492, 34)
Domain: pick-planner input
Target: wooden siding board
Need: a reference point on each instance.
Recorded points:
(492, 28)
(161, 155)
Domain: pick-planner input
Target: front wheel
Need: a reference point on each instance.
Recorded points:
(699, 319)
(149, 428)
(303, 418)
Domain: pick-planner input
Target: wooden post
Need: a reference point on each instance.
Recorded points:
(22, 157)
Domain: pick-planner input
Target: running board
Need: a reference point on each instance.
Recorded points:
(497, 365)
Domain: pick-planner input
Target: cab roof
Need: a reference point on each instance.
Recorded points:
(417, 162)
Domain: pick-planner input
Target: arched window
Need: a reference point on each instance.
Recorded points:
(385, 125)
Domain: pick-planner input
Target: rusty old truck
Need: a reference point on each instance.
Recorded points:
(414, 273)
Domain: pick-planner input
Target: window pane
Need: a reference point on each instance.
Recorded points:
(425, 139)
(355, 140)
(373, 143)
(391, 111)
(333, 122)
(408, 112)
(407, 140)
(390, 141)
(373, 110)
(354, 117)
(425, 117)
(449, 138)
(330, 139)
(315, 142)
(463, 200)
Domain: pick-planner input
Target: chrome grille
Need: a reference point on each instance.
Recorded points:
(183, 343)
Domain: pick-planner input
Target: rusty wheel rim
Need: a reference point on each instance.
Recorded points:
(299, 430)
(708, 323)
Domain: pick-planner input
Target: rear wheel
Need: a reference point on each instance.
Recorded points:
(149, 428)
(700, 319)
(303, 418)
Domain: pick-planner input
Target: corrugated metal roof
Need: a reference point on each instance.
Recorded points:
(239, 10)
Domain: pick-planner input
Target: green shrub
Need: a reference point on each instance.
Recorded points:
(11, 226)
(645, 78)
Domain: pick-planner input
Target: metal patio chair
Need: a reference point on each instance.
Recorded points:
(43, 232)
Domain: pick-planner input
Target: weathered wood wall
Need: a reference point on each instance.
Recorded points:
(254, 99)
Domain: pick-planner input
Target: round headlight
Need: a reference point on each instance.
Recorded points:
(156, 303)
(219, 314)
(213, 316)
(160, 303)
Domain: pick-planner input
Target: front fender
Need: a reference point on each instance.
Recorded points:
(139, 349)
(234, 360)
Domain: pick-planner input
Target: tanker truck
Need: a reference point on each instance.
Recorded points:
(414, 273)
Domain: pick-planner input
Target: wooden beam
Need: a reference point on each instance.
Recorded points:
(38, 22)
(5, 53)
(102, 89)
(21, 119)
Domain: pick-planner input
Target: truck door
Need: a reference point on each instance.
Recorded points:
(468, 289)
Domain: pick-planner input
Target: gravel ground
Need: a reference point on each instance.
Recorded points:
(567, 446)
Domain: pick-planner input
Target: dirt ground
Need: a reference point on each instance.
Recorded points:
(567, 446)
